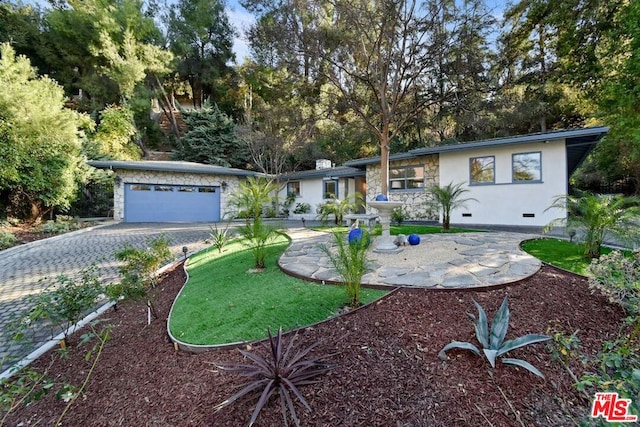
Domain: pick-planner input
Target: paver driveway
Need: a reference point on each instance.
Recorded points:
(29, 268)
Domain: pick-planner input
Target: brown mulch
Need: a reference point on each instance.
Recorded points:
(386, 373)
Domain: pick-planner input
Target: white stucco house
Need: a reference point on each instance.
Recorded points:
(512, 180)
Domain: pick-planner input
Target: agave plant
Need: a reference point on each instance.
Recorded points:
(281, 372)
(492, 341)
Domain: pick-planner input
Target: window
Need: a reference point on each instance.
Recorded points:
(186, 189)
(293, 188)
(406, 178)
(527, 167)
(206, 190)
(330, 188)
(140, 188)
(482, 170)
(163, 188)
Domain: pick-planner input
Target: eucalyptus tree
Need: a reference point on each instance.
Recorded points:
(387, 61)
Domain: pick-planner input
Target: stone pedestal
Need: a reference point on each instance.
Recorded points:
(385, 243)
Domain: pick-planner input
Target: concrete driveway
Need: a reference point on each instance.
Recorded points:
(29, 268)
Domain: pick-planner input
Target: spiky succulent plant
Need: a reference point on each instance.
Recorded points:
(281, 372)
(492, 340)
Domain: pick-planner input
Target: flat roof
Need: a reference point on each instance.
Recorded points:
(170, 166)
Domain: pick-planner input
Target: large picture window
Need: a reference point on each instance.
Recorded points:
(482, 170)
(527, 167)
(330, 188)
(406, 178)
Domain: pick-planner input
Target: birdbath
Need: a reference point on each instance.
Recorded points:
(384, 243)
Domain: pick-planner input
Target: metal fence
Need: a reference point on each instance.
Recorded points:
(94, 200)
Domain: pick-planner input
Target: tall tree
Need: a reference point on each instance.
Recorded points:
(211, 139)
(201, 37)
(39, 148)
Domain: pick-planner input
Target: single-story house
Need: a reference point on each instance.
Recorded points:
(511, 180)
(167, 191)
(314, 187)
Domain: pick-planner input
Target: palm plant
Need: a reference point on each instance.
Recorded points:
(340, 208)
(492, 341)
(251, 196)
(281, 372)
(446, 199)
(350, 261)
(598, 216)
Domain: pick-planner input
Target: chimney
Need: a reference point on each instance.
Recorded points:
(323, 164)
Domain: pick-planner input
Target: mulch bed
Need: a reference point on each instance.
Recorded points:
(386, 373)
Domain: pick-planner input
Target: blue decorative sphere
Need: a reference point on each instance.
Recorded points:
(414, 239)
(357, 235)
(381, 198)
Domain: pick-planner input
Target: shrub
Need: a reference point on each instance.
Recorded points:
(302, 208)
(62, 224)
(492, 341)
(339, 207)
(138, 270)
(350, 261)
(6, 240)
(399, 215)
(281, 371)
(62, 304)
(617, 277)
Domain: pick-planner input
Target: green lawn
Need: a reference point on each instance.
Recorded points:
(222, 302)
(400, 229)
(561, 253)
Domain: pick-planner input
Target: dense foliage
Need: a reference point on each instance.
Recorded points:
(326, 79)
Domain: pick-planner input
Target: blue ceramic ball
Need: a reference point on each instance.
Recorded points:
(414, 239)
(381, 198)
(356, 235)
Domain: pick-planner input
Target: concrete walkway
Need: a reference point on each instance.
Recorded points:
(30, 268)
(441, 261)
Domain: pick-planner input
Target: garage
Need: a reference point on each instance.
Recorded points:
(167, 191)
(171, 203)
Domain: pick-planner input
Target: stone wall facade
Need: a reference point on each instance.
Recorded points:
(415, 201)
(127, 176)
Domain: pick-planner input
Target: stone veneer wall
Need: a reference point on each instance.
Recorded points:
(414, 200)
(171, 178)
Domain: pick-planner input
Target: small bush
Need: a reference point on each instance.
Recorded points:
(617, 277)
(302, 208)
(6, 240)
(138, 270)
(62, 304)
(62, 224)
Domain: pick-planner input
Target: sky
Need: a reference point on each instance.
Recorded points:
(241, 19)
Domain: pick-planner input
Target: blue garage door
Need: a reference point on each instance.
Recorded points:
(171, 203)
